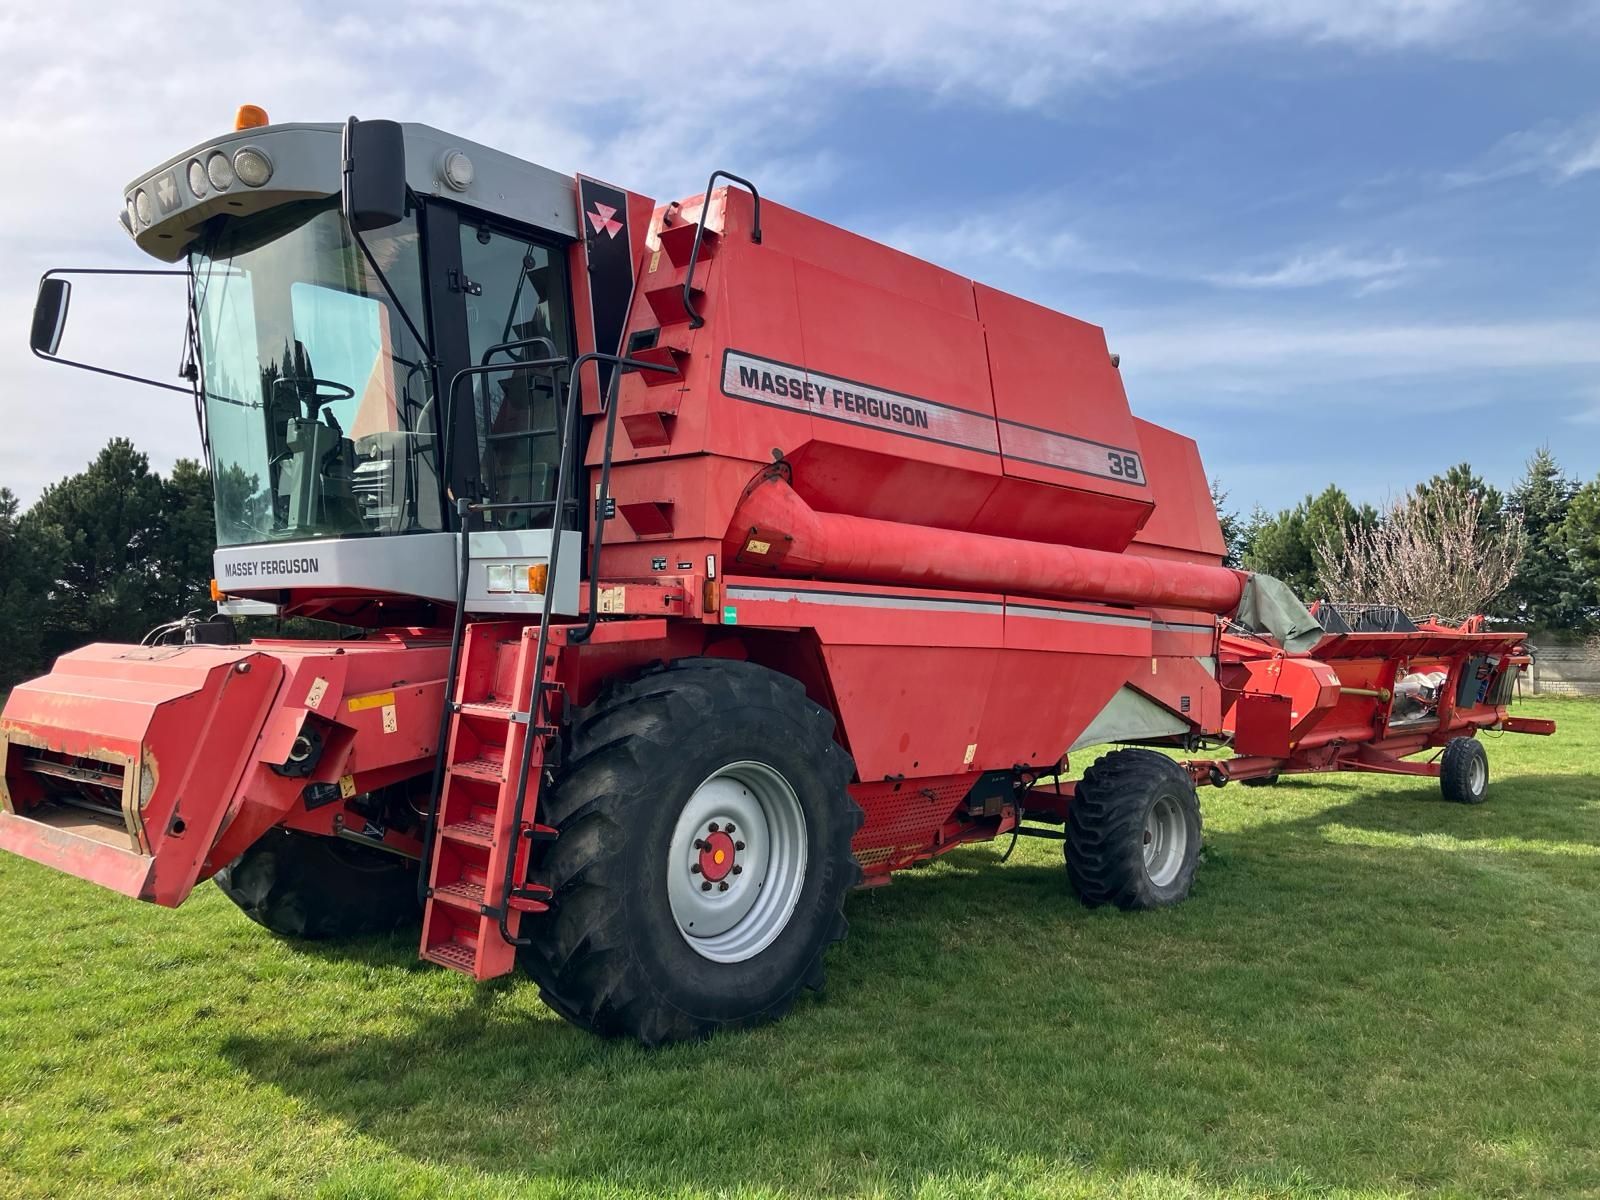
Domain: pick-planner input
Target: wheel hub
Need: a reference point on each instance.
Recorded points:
(1166, 841)
(736, 864)
(718, 855)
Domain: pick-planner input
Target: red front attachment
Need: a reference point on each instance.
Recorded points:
(119, 765)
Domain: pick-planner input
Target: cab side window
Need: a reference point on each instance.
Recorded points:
(516, 289)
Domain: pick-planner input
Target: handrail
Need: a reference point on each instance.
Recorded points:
(695, 319)
(518, 344)
(536, 694)
(441, 754)
(464, 508)
(452, 393)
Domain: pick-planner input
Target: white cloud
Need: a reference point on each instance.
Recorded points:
(1556, 152)
(1037, 238)
(91, 94)
(1301, 350)
(1589, 412)
(1316, 268)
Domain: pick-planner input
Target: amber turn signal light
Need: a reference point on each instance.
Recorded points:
(250, 116)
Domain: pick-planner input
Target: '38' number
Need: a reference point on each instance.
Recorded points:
(1123, 466)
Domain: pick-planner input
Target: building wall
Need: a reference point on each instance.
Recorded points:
(1565, 668)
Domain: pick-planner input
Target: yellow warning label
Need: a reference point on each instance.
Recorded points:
(318, 689)
(655, 261)
(347, 786)
(757, 546)
(375, 700)
(391, 722)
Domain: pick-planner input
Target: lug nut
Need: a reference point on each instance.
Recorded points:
(713, 828)
(737, 869)
(728, 828)
(723, 886)
(738, 845)
(699, 843)
(694, 868)
(705, 887)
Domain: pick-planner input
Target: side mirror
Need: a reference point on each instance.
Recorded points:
(373, 195)
(49, 316)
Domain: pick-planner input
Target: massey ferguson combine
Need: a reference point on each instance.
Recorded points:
(714, 562)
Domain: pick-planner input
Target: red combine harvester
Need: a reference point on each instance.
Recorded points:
(714, 561)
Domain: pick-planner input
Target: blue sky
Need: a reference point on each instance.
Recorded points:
(1351, 242)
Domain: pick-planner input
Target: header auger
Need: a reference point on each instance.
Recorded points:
(714, 561)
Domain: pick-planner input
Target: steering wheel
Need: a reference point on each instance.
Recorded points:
(314, 393)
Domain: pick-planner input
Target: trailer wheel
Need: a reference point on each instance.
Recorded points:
(1464, 771)
(702, 857)
(306, 886)
(1133, 831)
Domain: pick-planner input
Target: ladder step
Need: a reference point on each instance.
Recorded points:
(531, 898)
(678, 242)
(666, 356)
(463, 893)
(458, 956)
(488, 769)
(667, 304)
(489, 708)
(473, 833)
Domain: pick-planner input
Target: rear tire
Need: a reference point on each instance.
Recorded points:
(1133, 832)
(1464, 771)
(306, 886)
(635, 944)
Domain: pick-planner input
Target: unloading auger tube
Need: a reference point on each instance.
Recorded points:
(774, 529)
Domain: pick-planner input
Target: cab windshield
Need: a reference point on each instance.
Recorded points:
(318, 401)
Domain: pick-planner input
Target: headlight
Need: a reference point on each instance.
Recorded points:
(220, 171)
(197, 179)
(133, 216)
(141, 206)
(252, 167)
(456, 170)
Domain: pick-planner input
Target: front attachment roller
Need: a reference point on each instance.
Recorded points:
(1133, 831)
(703, 854)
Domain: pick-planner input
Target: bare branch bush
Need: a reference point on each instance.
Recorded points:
(1432, 554)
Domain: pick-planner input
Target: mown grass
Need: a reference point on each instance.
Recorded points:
(1371, 992)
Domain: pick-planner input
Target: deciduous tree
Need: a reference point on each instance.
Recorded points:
(1432, 554)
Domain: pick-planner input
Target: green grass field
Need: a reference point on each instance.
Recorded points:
(1370, 992)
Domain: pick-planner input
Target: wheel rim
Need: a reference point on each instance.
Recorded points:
(1478, 776)
(1166, 841)
(737, 862)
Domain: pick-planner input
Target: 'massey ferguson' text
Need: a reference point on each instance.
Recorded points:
(251, 568)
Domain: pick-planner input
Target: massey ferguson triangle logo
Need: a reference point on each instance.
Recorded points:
(604, 220)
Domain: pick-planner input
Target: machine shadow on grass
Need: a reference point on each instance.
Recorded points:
(1526, 809)
(1305, 1018)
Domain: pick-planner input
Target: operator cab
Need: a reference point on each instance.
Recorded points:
(325, 357)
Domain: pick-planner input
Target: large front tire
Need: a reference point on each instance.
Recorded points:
(304, 886)
(702, 857)
(1133, 831)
